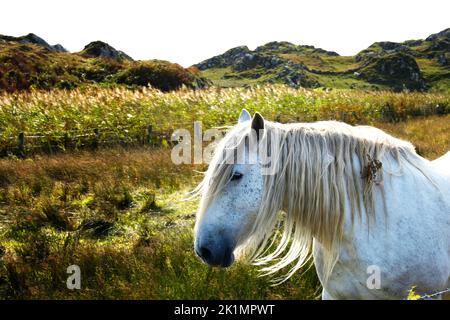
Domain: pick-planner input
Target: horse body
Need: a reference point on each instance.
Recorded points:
(442, 164)
(388, 213)
(410, 243)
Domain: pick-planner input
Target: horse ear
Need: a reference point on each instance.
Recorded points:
(244, 116)
(258, 124)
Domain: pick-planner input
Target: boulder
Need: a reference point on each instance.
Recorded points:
(294, 75)
(444, 59)
(31, 38)
(252, 60)
(226, 59)
(59, 48)
(443, 34)
(398, 70)
(100, 49)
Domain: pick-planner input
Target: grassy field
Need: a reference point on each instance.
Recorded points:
(60, 114)
(119, 213)
(430, 135)
(120, 216)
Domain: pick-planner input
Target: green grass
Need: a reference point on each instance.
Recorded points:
(346, 81)
(431, 68)
(437, 76)
(323, 62)
(442, 85)
(227, 78)
(340, 63)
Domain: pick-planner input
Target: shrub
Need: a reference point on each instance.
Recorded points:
(162, 75)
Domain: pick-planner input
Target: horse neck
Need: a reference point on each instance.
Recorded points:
(348, 215)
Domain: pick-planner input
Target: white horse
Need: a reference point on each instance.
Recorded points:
(373, 213)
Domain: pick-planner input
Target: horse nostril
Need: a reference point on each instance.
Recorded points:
(205, 253)
(215, 254)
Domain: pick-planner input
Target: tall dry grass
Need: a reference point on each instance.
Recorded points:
(119, 215)
(60, 115)
(430, 135)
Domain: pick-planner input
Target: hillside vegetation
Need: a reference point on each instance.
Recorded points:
(414, 65)
(30, 63)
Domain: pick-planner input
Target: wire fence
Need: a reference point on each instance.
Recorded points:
(28, 143)
(434, 295)
(131, 134)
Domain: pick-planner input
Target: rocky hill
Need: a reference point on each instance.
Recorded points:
(413, 64)
(31, 38)
(30, 62)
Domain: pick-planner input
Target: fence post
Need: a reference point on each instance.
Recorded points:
(149, 134)
(21, 144)
(49, 146)
(66, 141)
(96, 139)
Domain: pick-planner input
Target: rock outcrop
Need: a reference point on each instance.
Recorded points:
(59, 48)
(100, 49)
(264, 60)
(287, 47)
(224, 60)
(31, 38)
(294, 75)
(443, 34)
(266, 56)
(398, 70)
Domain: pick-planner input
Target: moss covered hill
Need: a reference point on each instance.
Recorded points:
(30, 62)
(413, 64)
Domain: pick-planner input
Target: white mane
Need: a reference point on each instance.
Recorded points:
(323, 167)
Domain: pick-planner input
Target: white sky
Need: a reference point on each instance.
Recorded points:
(190, 31)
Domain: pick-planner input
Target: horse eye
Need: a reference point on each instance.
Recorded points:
(236, 176)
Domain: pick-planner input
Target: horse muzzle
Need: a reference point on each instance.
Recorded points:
(215, 253)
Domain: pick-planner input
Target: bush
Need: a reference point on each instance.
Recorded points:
(162, 75)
